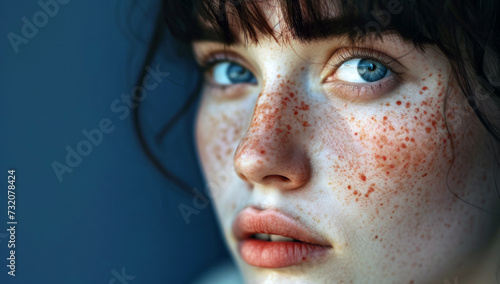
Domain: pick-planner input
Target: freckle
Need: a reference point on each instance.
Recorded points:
(412, 139)
(408, 105)
(407, 139)
(288, 127)
(292, 95)
(425, 88)
(362, 177)
(430, 75)
(398, 103)
(356, 133)
(279, 76)
(385, 117)
(369, 191)
(263, 152)
(349, 187)
(304, 106)
(355, 192)
(296, 112)
(424, 175)
(439, 83)
(388, 104)
(306, 124)
(444, 141)
(376, 237)
(304, 258)
(439, 75)
(403, 145)
(428, 129)
(384, 158)
(278, 130)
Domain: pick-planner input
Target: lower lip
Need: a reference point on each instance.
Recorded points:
(279, 254)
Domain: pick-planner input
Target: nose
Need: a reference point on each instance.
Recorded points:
(273, 151)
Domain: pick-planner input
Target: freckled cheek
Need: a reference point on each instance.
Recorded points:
(219, 133)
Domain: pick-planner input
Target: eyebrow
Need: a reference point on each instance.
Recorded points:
(326, 29)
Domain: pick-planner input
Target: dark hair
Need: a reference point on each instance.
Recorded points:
(464, 30)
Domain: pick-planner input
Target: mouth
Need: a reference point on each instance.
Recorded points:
(270, 239)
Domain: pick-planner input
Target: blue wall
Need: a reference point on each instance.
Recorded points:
(114, 211)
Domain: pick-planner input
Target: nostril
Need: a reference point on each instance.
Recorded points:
(278, 178)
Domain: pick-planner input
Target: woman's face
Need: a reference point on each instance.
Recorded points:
(348, 149)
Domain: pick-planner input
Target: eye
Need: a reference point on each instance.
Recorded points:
(362, 70)
(229, 73)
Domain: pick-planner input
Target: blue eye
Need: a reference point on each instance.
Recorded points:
(362, 70)
(228, 73)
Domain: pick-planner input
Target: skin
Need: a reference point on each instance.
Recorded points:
(372, 171)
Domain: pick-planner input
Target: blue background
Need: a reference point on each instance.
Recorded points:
(114, 210)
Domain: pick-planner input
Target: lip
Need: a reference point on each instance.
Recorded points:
(267, 254)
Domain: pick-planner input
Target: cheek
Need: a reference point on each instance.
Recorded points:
(406, 147)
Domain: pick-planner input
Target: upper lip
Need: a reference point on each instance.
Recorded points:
(251, 221)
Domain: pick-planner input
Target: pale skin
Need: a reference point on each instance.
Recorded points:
(368, 165)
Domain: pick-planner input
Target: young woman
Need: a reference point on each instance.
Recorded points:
(358, 141)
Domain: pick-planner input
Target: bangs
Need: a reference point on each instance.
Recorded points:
(231, 21)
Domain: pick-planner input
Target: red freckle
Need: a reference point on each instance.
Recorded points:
(398, 103)
(262, 152)
(391, 128)
(439, 83)
(430, 75)
(439, 75)
(288, 127)
(296, 112)
(424, 175)
(278, 130)
(304, 258)
(425, 112)
(305, 124)
(444, 140)
(434, 123)
(278, 76)
(403, 145)
(384, 158)
(302, 68)
(369, 191)
(304, 106)
(424, 103)
(412, 140)
(407, 139)
(292, 95)
(420, 92)
(387, 104)
(385, 117)
(376, 237)
(355, 192)
(349, 187)
(362, 177)
(418, 109)
(408, 105)
(355, 133)
(428, 129)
